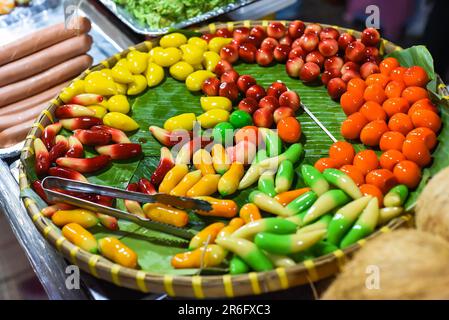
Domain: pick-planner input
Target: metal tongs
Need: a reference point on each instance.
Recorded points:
(49, 184)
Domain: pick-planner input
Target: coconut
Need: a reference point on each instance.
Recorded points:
(404, 264)
(432, 207)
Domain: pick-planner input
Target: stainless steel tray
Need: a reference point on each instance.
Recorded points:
(138, 27)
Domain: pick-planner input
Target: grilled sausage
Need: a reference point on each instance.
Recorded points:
(30, 102)
(42, 39)
(45, 80)
(11, 120)
(44, 59)
(13, 135)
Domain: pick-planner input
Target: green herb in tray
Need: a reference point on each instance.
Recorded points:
(164, 13)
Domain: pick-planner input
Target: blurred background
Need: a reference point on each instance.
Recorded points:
(405, 22)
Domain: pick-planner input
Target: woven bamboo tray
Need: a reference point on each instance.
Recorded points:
(253, 283)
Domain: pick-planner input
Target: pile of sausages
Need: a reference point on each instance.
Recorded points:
(34, 69)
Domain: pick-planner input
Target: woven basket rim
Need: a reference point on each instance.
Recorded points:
(198, 286)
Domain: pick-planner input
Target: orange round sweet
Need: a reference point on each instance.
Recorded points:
(425, 134)
(381, 178)
(377, 78)
(356, 85)
(395, 105)
(371, 190)
(351, 127)
(351, 102)
(390, 158)
(397, 74)
(342, 151)
(400, 122)
(354, 173)
(387, 65)
(391, 140)
(415, 149)
(415, 76)
(413, 94)
(394, 89)
(408, 173)
(373, 111)
(326, 163)
(375, 92)
(427, 119)
(366, 161)
(372, 132)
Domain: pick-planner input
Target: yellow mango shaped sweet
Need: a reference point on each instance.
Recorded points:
(119, 103)
(74, 89)
(154, 74)
(83, 217)
(213, 117)
(120, 121)
(183, 121)
(99, 84)
(138, 85)
(209, 103)
(175, 39)
(192, 54)
(181, 70)
(100, 111)
(211, 59)
(137, 61)
(167, 57)
(195, 80)
(197, 41)
(80, 237)
(121, 74)
(115, 250)
(215, 44)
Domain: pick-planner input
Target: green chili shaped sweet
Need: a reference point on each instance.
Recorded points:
(321, 224)
(297, 218)
(325, 203)
(293, 153)
(266, 183)
(237, 265)
(284, 176)
(272, 141)
(280, 260)
(314, 179)
(388, 213)
(301, 203)
(344, 218)
(268, 204)
(254, 171)
(287, 243)
(248, 252)
(364, 225)
(343, 181)
(396, 196)
(273, 225)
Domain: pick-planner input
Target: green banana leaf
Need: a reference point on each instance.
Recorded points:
(171, 97)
